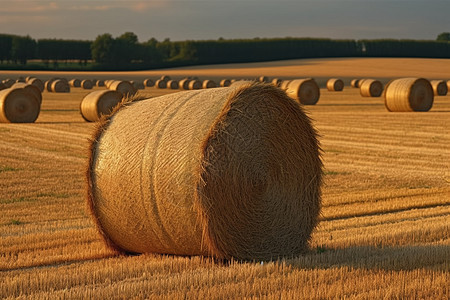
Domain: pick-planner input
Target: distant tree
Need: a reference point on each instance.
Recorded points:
(445, 36)
(126, 48)
(149, 52)
(5, 47)
(22, 49)
(102, 49)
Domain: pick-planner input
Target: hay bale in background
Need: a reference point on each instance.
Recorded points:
(123, 86)
(29, 88)
(355, 83)
(138, 85)
(2, 86)
(149, 83)
(86, 84)
(284, 84)
(306, 91)
(108, 83)
(335, 85)
(98, 103)
(276, 82)
(28, 78)
(208, 84)
(439, 87)
(161, 84)
(75, 82)
(18, 106)
(409, 94)
(195, 84)
(172, 84)
(37, 83)
(8, 82)
(184, 83)
(371, 88)
(21, 79)
(225, 83)
(263, 79)
(165, 78)
(60, 86)
(191, 191)
(48, 84)
(100, 83)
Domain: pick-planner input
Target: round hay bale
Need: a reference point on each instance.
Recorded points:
(306, 91)
(355, 83)
(371, 88)
(149, 83)
(439, 87)
(60, 86)
(29, 88)
(409, 94)
(208, 84)
(165, 78)
(98, 103)
(18, 106)
(161, 84)
(335, 85)
(172, 84)
(8, 82)
(138, 85)
(21, 79)
(195, 84)
(276, 82)
(87, 84)
(125, 87)
(28, 78)
(94, 82)
(37, 83)
(207, 172)
(263, 79)
(284, 84)
(2, 86)
(75, 82)
(225, 83)
(100, 83)
(108, 83)
(184, 83)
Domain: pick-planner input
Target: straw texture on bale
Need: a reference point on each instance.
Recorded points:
(195, 84)
(208, 84)
(306, 91)
(100, 83)
(439, 87)
(149, 83)
(86, 84)
(60, 86)
(371, 88)
(125, 87)
(172, 84)
(29, 88)
(99, 103)
(18, 106)
(409, 94)
(335, 85)
(184, 83)
(75, 82)
(37, 83)
(225, 83)
(161, 84)
(207, 172)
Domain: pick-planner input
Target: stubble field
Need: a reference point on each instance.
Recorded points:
(384, 230)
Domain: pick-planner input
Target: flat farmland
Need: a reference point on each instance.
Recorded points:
(384, 229)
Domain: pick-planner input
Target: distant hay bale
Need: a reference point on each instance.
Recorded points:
(98, 103)
(306, 91)
(100, 83)
(284, 84)
(207, 172)
(75, 82)
(335, 85)
(172, 84)
(21, 79)
(276, 82)
(108, 83)
(165, 78)
(195, 84)
(225, 83)
(184, 84)
(86, 84)
(37, 83)
(94, 82)
(18, 106)
(8, 82)
(29, 88)
(149, 83)
(371, 88)
(2, 86)
(161, 84)
(208, 84)
(409, 94)
(48, 84)
(123, 86)
(138, 85)
(263, 79)
(60, 86)
(355, 83)
(28, 78)
(439, 87)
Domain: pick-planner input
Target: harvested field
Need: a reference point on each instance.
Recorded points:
(384, 229)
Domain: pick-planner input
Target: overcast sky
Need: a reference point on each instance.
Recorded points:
(211, 19)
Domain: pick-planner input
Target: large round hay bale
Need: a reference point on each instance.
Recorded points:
(98, 103)
(125, 87)
(8, 82)
(37, 83)
(225, 83)
(18, 106)
(184, 83)
(371, 88)
(207, 172)
(208, 84)
(439, 87)
(195, 84)
(161, 84)
(29, 88)
(149, 83)
(409, 94)
(75, 82)
(100, 83)
(87, 84)
(306, 91)
(60, 86)
(172, 84)
(335, 85)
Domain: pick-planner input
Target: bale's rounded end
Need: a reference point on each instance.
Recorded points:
(18, 106)
(409, 94)
(306, 91)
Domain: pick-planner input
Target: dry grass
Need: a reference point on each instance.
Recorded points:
(384, 231)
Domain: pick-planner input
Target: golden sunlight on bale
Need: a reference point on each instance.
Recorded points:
(100, 83)
(371, 88)
(207, 172)
(165, 78)
(409, 94)
(99, 103)
(439, 87)
(125, 87)
(75, 82)
(86, 84)
(37, 83)
(21, 79)
(60, 86)
(335, 85)
(195, 84)
(161, 84)
(263, 79)
(306, 91)
(29, 88)
(172, 84)
(149, 83)
(208, 84)
(184, 84)
(18, 106)
(277, 82)
(355, 83)
(225, 83)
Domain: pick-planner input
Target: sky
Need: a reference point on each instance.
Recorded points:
(211, 19)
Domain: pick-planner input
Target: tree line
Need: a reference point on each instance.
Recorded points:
(126, 52)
